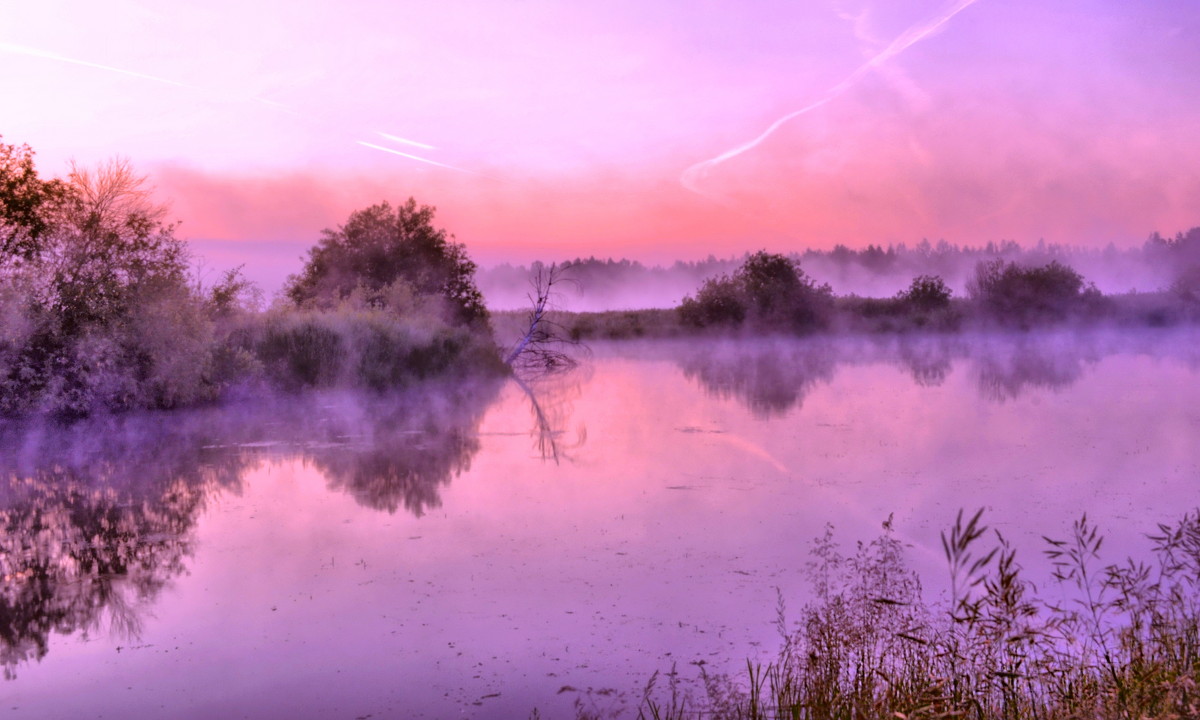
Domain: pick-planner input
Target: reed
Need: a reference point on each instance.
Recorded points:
(1125, 644)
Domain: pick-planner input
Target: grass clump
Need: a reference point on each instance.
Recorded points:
(1124, 644)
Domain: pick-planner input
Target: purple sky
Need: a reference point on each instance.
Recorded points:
(551, 129)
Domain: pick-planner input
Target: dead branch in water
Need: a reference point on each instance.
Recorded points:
(542, 349)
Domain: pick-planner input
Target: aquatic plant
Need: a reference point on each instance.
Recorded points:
(1126, 644)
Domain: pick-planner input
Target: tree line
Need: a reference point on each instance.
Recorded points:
(101, 307)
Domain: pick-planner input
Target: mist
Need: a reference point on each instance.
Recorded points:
(875, 271)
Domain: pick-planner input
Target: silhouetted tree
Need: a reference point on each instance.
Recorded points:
(769, 291)
(381, 251)
(1011, 293)
(27, 204)
(927, 292)
(542, 348)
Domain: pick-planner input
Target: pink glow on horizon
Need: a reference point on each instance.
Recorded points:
(574, 122)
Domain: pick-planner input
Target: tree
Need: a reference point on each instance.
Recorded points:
(107, 315)
(380, 249)
(926, 293)
(110, 248)
(769, 291)
(1013, 293)
(26, 204)
(540, 348)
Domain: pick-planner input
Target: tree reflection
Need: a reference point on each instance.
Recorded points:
(770, 377)
(551, 399)
(97, 518)
(928, 361)
(774, 376)
(400, 450)
(1008, 372)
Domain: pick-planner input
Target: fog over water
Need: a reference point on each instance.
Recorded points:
(481, 549)
(874, 271)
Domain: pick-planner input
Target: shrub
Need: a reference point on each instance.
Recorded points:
(302, 350)
(101, 311)
(363, 347)
(769, 291)
(926, 293)
(1015, 294)
(718, 302)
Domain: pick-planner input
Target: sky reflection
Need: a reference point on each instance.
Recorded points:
(424, 555)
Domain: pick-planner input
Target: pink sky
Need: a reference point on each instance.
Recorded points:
(567, 128)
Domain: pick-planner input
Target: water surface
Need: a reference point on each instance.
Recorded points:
(482, 549)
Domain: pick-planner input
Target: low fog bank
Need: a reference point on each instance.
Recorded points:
(608, 284)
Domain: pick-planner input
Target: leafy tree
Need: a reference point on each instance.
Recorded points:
(718, 302)
(26, 203)
(107, 315)
(769, 291)
(1013, 293)
(382, 249)
(110, 247)
(927, 293)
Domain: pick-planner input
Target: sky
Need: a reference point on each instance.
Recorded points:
(637, 128)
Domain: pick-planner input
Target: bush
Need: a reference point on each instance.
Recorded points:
(364, 347)
(769, 291)
(926, 293)
(97, 296)
(1014, 294)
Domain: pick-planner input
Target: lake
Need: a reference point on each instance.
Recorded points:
(482, 549)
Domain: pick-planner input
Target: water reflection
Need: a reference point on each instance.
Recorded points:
(98, 517)
(772, 377)
(1005, 373)
(91, 531)
(551, 402)
(388, 452)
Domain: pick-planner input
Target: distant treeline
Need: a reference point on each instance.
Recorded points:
(773, 293)
(873, 271)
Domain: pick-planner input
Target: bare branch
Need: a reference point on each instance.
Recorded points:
(542, 349)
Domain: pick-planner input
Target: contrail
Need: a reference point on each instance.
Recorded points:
(414, 157)
(915, 34)
(45, 54)
(406, 141)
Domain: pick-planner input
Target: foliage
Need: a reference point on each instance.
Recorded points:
(107, 316)
(1011, 293)
(1126, 645)
(100, 310)
(380, 248)
(26, 204)
(367, 347)
(927, 293)
(769, 291)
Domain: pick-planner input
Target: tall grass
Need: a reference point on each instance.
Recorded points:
(1125, 645)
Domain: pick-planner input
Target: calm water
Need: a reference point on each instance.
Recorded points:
(481, 550)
